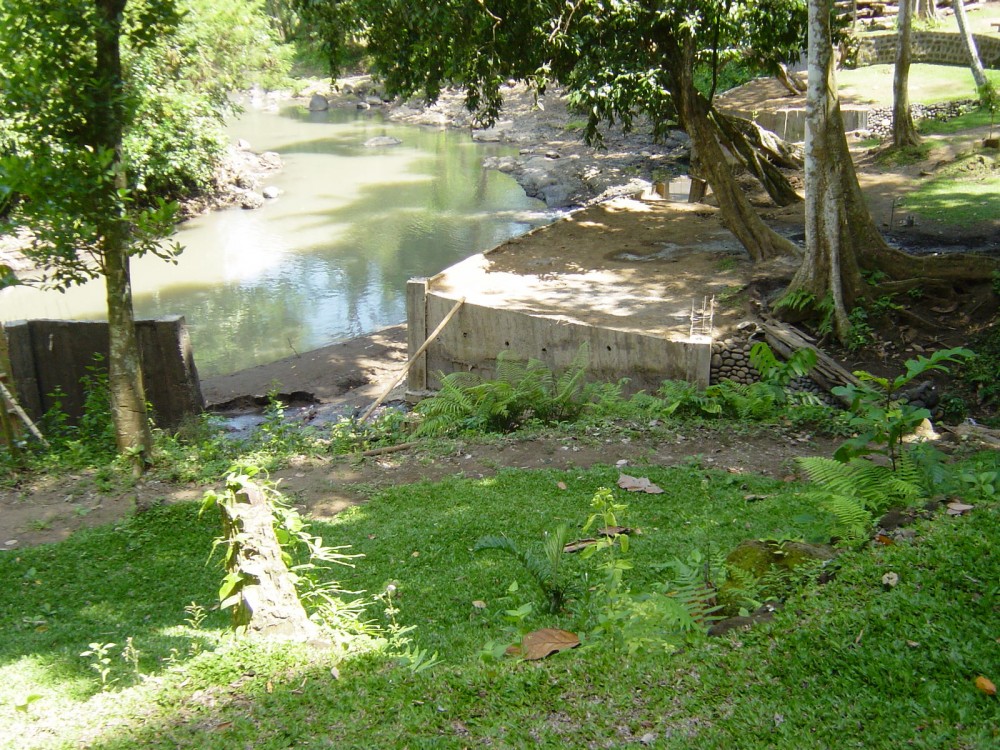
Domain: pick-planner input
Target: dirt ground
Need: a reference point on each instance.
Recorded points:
(346, 377)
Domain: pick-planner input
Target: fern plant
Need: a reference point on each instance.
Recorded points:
(776, 374)
(520, 391)
(856, 491)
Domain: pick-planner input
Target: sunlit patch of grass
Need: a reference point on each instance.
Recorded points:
(929, 84)
(966, 193)
(899, 157)
(968, 121)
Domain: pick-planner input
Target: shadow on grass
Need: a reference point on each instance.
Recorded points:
(106, 585)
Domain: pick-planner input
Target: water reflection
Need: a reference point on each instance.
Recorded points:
(330, 258)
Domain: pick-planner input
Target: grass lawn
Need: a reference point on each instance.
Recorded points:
(929, 84)
(846, 664)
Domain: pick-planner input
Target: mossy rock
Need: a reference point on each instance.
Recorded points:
(765, 569)
(759, 556)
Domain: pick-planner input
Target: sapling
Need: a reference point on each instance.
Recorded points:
(882, 419)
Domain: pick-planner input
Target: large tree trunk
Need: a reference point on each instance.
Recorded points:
(903, 131)
(128, 399)
(841, 237)
(739, 217)
(970, 45)
(830, 268)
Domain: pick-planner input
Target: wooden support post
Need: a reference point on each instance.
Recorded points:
(8, 399)
(416, 332)
(414, 358)
(8, 427)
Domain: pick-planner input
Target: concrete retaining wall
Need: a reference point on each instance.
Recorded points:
(939, 47)
(473, 338)
(50, 354)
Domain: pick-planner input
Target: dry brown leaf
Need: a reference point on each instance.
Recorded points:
(638, 484)
(986, 685)
(541, 643)
(578, 545)
(883, 539)
(561, 485)
(958, 509)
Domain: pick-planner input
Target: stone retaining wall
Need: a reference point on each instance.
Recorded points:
(939, 47)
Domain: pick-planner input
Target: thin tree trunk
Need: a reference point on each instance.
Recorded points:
(904, 134)
(970, 45)
(927, 10)
(128, 399)
(739, 217)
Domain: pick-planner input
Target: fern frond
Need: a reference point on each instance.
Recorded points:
(876, 487)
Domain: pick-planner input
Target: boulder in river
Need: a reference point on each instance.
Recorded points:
(251, 200)
(318, 103)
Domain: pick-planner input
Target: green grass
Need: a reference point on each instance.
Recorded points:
(929, 84)
(965, 193)
(977, 119)
(847, 664)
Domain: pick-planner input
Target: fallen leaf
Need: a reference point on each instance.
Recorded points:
(269, 687)
(561, 485)
(223, 726)
(958, 509)
(755, 498)
(883, 539)
(913, 644)
(986, 685)
(541, 643)
(571, 547)
(638, 484)
(890, 580)
(479, 604)
(415, 554)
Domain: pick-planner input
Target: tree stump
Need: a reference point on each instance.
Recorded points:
(264, 601)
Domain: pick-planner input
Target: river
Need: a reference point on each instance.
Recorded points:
(329, 259)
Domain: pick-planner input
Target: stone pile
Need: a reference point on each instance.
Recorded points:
(880, 120)
(731, 361)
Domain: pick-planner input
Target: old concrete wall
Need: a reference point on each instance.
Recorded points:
(46, 355)
(472, 340)
(939, 47)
